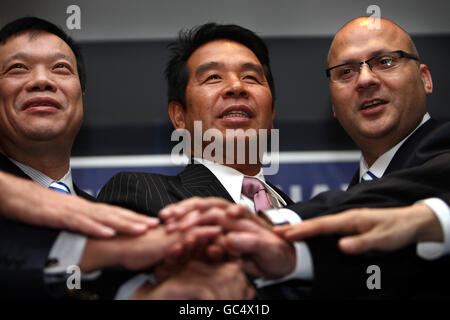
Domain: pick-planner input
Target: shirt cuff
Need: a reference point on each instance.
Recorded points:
(303, 268)
(435, 250)
(127, 289)
(304, 265)
(67, 251)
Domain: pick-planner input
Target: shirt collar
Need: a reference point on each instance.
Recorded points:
(232, 179)
(380, 165)
(43, 179)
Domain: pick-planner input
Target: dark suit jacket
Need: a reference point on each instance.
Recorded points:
(420, 169)
(24, 251)
(148, 192)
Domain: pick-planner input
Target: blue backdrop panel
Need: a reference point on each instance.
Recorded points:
(299, 180)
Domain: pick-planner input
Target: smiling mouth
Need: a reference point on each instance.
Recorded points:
(236, 114)
(372, 104)
(43, 104)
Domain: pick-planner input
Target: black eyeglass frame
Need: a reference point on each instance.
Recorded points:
(402, 54)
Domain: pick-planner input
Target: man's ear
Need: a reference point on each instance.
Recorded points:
(332, 109)
(427, 81)
(176, 115)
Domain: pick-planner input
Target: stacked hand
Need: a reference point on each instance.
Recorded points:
(201, 281)
(43, 207)
(244, 236)
(367, 229)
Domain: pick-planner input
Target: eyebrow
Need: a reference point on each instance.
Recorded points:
(205, 67)
(255, 67)
(26, 56)
(213, 64)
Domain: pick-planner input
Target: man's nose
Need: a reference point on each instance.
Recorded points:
(41, 80)
(366, 77)
(236, 88)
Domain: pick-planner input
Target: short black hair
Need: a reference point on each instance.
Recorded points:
(188, 41)
(36, 24)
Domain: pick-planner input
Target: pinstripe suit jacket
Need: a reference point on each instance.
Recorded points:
(148, 192)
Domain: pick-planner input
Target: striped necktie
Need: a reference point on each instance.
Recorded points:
(368, 176)
(59, 186)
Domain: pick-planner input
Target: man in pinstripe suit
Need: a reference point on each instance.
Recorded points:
(219, 75)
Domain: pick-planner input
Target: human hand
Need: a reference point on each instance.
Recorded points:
(185, 214)
(263, 253)
(201, 281)
(382, 229)
(138, 252)
(177, 211)
(52, 209)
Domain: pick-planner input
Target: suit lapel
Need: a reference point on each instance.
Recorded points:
(355, 179)
(197, 181)
(281, 193)
(83, 194)
(406, 152)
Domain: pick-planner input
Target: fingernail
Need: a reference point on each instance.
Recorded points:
(163, 213)
(232, 211)
(178, 211)
(347, 244)
(152, 221)
(139, 227)
(108, 232)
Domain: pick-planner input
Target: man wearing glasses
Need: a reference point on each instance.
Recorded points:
(381, 103)
(378, 88)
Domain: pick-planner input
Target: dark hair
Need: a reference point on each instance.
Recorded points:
(188, 41)
(36, 24)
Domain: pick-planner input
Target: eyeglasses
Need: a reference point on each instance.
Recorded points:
(387, 61)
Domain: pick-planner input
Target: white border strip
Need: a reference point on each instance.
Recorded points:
(319, 156)
(164, 160)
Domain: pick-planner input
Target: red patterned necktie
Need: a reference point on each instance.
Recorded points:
(255, 190)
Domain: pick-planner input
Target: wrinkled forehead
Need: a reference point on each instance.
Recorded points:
(359, 40)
